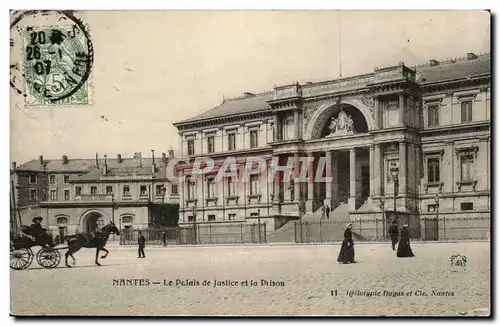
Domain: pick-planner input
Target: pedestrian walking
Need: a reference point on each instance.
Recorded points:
(327, 209)
(323, 212)
(394, 233)
(164, 236)
(141, 241)
(404, 249)
(346, 254)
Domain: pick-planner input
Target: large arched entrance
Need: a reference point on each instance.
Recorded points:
(93, 221)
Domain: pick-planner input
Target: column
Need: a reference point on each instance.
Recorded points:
(352, 180)
(328, 174)
(402, 168)
(276, 127)
(377, 182)
(402, 110)
(376, 108)
(310, 182)
(296, 174)
(297, 124)
(335, 181)
(372, 169)
(276, 182)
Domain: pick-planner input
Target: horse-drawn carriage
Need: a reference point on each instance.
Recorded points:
(21, 252)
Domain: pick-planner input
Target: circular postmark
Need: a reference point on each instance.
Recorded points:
(51, 57)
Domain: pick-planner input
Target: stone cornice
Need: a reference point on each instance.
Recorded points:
(223, 120)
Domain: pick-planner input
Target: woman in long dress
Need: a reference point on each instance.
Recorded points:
(346, 254)
(404, 249)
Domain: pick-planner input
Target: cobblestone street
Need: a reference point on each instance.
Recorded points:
(307, 281)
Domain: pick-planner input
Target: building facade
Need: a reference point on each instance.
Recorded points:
(414, 140)
(78, 195)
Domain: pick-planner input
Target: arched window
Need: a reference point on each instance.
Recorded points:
(62, 220)
(127, 220)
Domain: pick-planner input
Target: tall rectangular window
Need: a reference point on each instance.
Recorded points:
(254, 139)
(433, 115)
(174, 190)
(66, 179)
(466, 165)
(32, 178)
(210, 144)
(231, 191)
(93, 190)
(254, 184)
(191, 190)
(433, 169)
(126, 190)
(158, 189)
(33, 194)
(78, 190)
(109, 190)
(52, 179)
(190, 147)
(53, 194)
(143, 190)
(231, 141)
(466, 111)
(66, 194)
(211, 188)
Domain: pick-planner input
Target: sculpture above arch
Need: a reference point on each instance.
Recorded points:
(320, 116)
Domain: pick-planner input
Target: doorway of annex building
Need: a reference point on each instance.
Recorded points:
(93, 221)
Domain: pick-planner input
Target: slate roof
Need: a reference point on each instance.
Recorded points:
(86, 165)
(453, 71)
(95, 173)
(234, 106)
(461, 69)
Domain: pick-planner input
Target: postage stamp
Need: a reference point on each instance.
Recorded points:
(54, 55)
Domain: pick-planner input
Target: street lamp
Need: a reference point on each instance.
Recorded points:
(301, 213)
(436, 199)
(258, 222)
(194, 223)
(395, 180)
(382, 208)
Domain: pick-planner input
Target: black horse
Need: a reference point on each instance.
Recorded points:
(95, 240)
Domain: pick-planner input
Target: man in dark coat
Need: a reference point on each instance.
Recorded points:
(404, 249)
(164, 236)
(394, 233)
(141, 241)
(38, 232)
(327, 211)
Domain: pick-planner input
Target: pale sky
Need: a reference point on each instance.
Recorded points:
(154, 68)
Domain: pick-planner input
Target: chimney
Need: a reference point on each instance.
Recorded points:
(433, 63)
(153, 165)
(119, 158)
(471, 56)
(96, 159)
(14, 165)
(105, 167)
(171, 152)
(41, 159)
(65, 159)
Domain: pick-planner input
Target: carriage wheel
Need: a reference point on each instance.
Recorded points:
(48, 257)
(20, 258)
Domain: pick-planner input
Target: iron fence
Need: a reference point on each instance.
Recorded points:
(199, 234)
(428, 229)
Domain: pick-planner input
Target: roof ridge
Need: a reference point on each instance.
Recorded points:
(451, 60)
(244, 96)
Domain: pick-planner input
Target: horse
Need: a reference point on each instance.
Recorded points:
(97, 240)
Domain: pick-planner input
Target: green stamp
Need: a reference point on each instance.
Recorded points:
(56, 61)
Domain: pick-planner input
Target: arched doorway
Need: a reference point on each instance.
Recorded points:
(93, 221)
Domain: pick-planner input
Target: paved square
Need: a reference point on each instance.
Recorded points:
(308, 281)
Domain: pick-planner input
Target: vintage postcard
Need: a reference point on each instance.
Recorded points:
(250, 163)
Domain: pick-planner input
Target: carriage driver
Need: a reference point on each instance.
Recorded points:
(37, 230)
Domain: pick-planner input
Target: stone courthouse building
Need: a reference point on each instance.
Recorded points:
(415, 140)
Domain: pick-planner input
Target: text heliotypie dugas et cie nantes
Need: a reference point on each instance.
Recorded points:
(194, 282)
